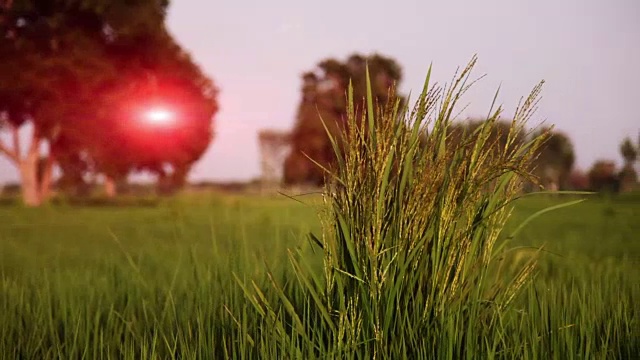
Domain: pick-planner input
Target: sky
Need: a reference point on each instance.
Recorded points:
(587, 51)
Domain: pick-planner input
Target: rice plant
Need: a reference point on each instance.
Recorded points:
(410, 228)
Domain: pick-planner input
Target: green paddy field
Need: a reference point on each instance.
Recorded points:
(163, 280)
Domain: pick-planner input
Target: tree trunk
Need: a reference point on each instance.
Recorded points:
(35, 185)
(46, 178)
(31, 195)
(110, 186)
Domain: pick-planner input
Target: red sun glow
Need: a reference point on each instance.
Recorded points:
(159, 116)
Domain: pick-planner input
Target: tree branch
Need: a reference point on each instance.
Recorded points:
(14, 154)
(17, 147)
(5, 150)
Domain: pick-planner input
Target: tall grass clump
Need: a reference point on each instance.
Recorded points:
(409, 241)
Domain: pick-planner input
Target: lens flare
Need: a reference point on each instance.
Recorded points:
(159, 116)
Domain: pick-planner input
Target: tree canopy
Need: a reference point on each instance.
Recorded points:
(323, 99)
(169, 79)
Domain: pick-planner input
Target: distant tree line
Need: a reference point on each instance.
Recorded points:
(604, 176)
(322, 101)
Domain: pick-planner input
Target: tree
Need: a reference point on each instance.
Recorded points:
(53, 59)
(156, 71)
(65, 80)
(323, 96)
(555, 159)
(578, 180)
(171, 79)
(628, 175)
(628, 151)
(603, 177)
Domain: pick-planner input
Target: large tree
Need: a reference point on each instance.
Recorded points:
(51, 55)
(157, 73)
(69, 71)
(323, 99)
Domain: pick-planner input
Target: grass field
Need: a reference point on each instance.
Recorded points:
(156, 282)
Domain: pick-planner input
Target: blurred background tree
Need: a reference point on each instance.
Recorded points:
(323, 96)
(498, 135)
(555, 160)
(171, 80)
(628, 175)
(52, 57)
(578, 180)
(603, 177)
(66, 64)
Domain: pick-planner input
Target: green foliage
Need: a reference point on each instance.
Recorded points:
(323, 97)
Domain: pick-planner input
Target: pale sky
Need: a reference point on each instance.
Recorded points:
(587, 51)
